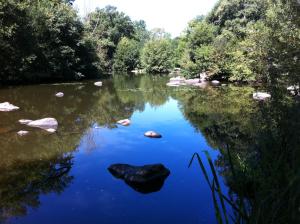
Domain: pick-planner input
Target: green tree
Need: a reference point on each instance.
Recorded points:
(42, 40)
(157, 56)
(106, 27)
(127, 55)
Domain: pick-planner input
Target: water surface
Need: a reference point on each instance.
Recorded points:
(63, 177)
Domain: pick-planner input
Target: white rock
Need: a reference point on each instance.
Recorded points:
(216, 82)
(22, 133)
(292, 88)
(98, 83)
(192, 81)
(6, 106)
(203, 76)
(201, 84)
(24, 121)
(59, 94)
(261, 96)
(177, 79)
(173, 84)
(45, 123)
(50, 130)
(152, 134)
(124, 122)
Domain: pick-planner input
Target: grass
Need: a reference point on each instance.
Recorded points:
(219, 199)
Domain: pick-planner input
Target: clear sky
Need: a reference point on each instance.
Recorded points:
(172, 15)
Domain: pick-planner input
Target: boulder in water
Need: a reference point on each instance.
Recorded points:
(6, 107)
(48, 124)
(203, 77)
(24, 121)
(215, 82)
(59, 94)
(124, 122)
(98, 83)
(177, 79)
(174, 84)
(261, 96)
(192, 81)
(152, 134)
(22, 133)
(144, 179)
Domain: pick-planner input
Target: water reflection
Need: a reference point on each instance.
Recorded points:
(22, 184)
(258, 143)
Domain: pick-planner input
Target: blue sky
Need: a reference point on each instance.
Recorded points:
(172, 15)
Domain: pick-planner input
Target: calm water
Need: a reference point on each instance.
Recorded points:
(63, 177)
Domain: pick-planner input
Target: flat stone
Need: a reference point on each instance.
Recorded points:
(46, 123)
(6, 107)
(173, 84)
(124, 122)
(59, 94)
(261, 96)
(192, 81)
(98, 83)
(201, 84)
(144, 179)
(152, 134)
(177, 79)
(215, 82)
(50, 130)
(22, 133)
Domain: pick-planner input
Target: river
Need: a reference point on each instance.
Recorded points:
(63, 177)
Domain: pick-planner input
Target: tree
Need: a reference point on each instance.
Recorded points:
(157, 56)
(127, 55)
(45, 42)
(107, 27)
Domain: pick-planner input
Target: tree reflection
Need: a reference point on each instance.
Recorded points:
(259, 146)
(22, 184)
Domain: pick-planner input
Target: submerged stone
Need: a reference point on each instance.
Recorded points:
(144, 179)
(152, 134)
(6, 107)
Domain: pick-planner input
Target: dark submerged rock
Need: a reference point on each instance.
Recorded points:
(144, 179)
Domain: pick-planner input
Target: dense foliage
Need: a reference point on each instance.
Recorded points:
(157, 56)
(43, 40)
(239, 40)
(242, 40)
